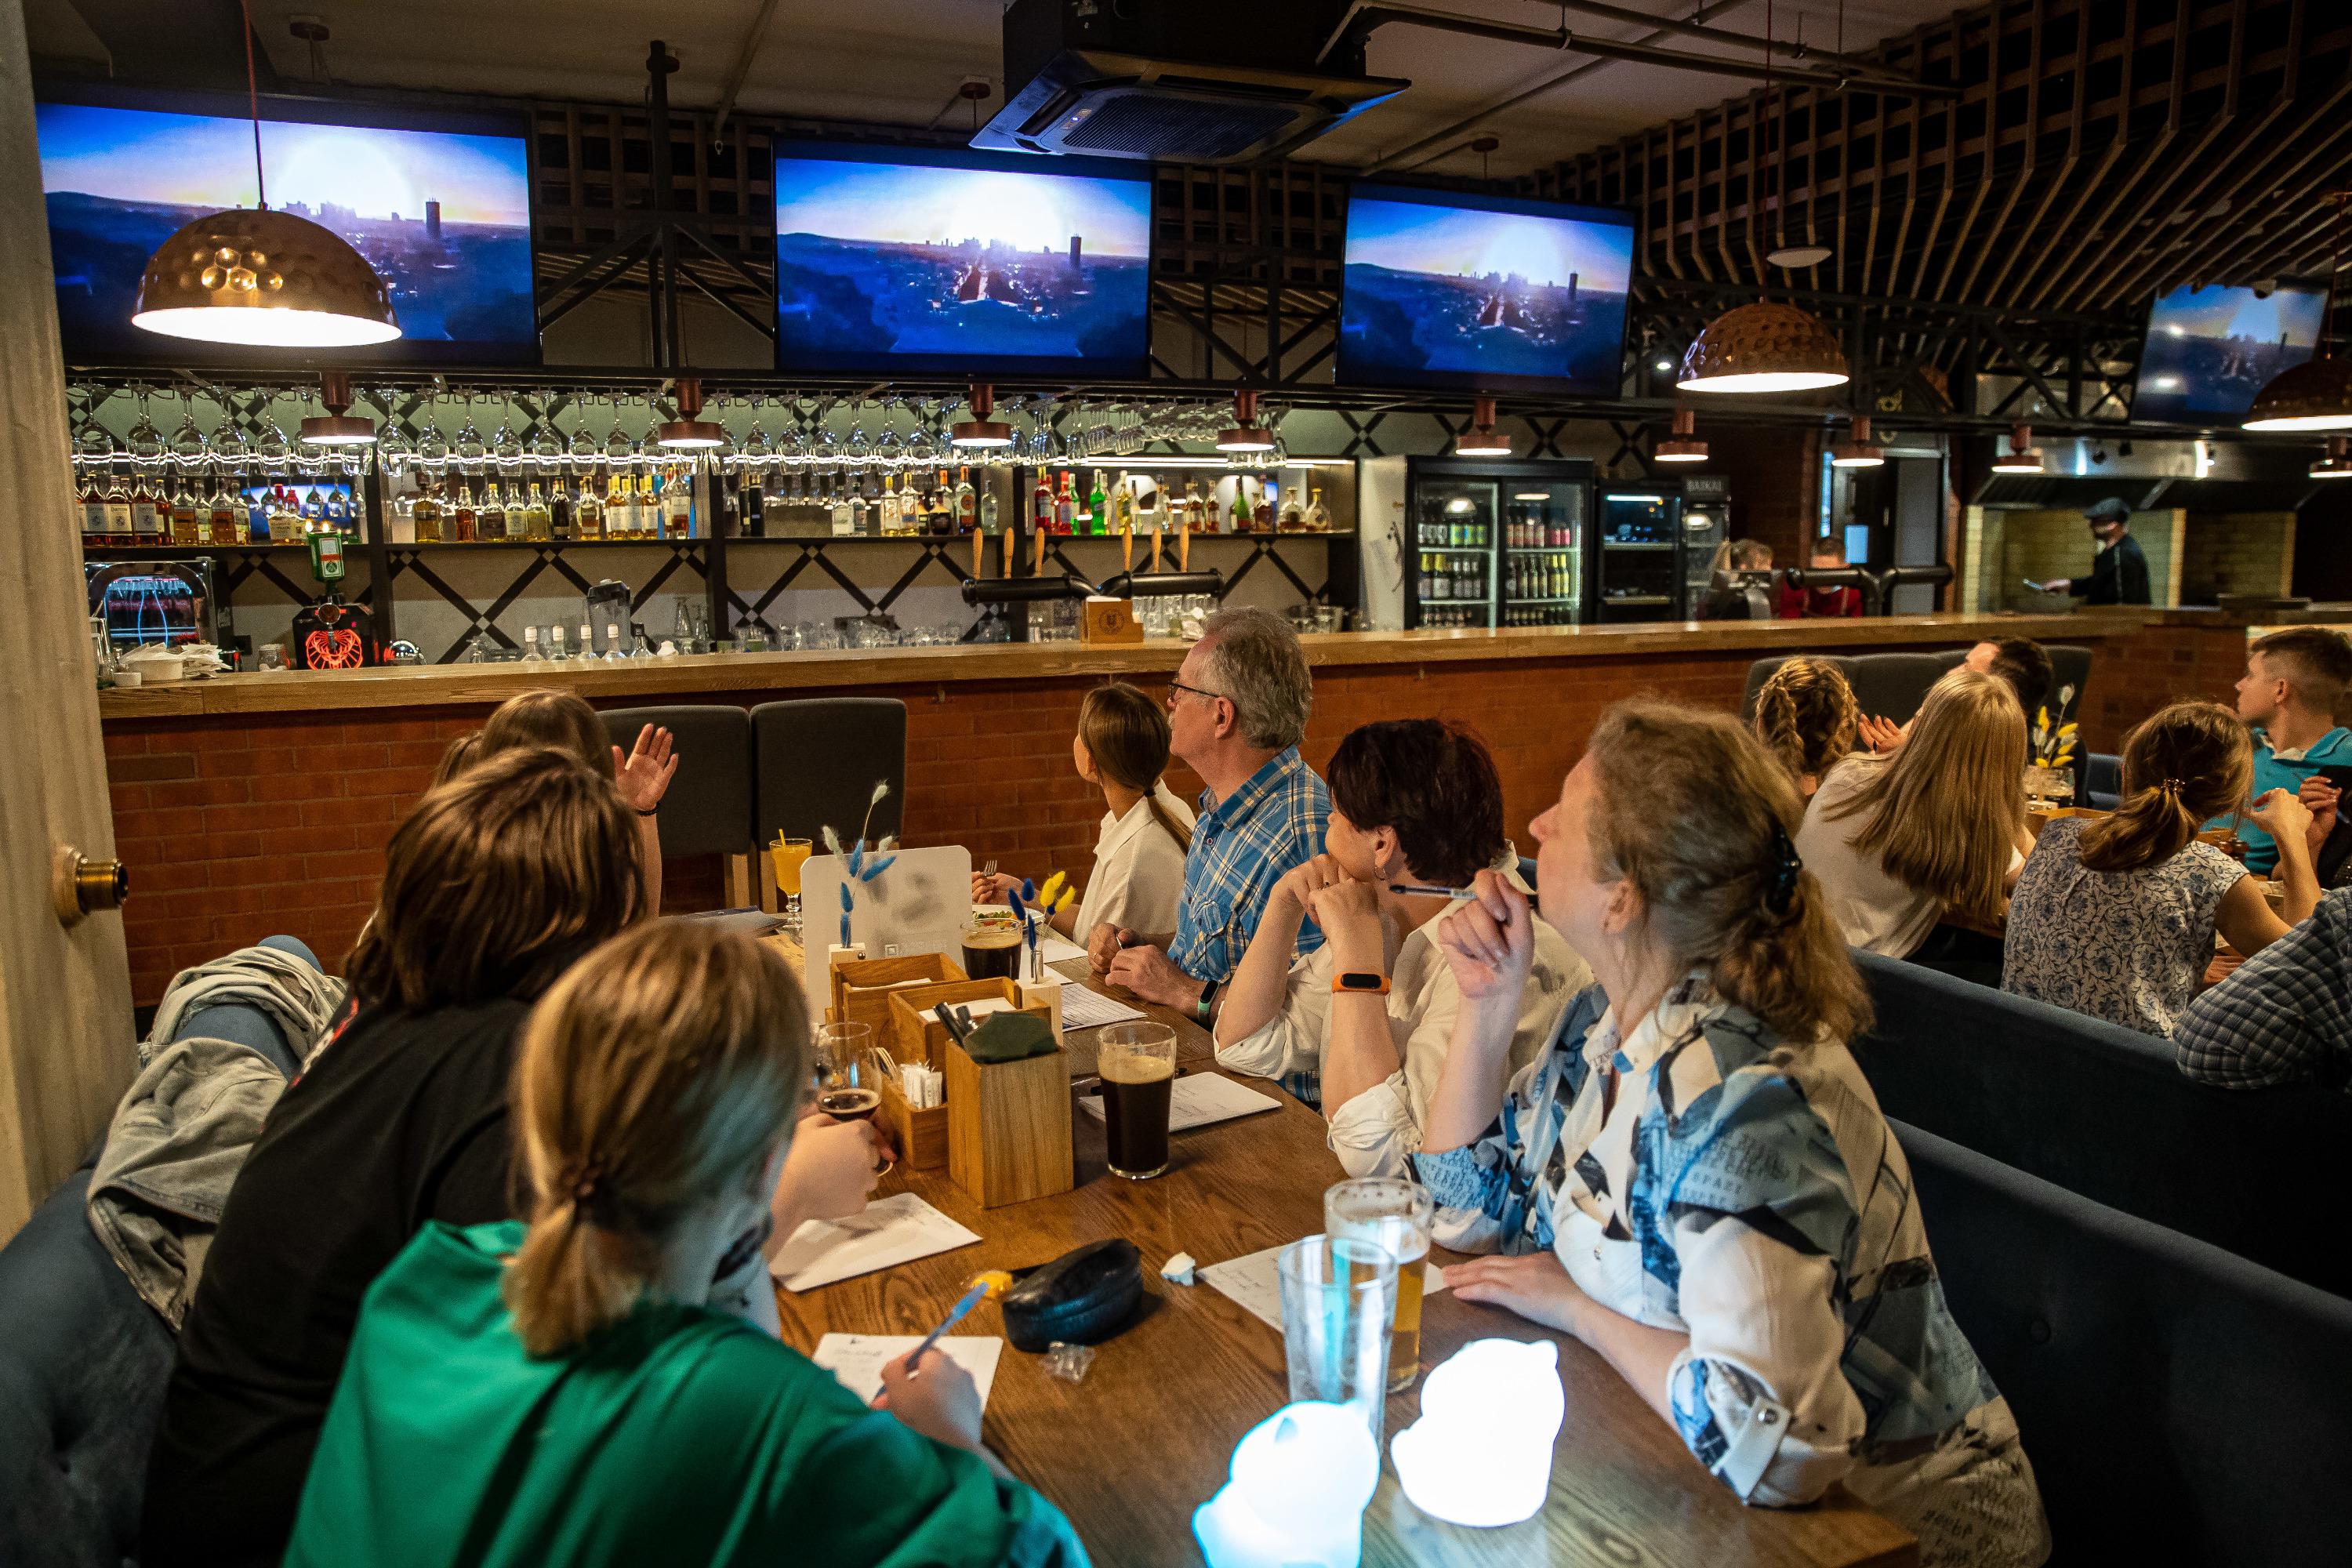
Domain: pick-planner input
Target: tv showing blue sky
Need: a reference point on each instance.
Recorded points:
(1508, 295)
(2207, 351)
(923, 266)
(443, 216)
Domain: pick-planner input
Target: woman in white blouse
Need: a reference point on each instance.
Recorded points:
(1360, 1025)
(1900, 843)
(1694, 1176)
(1137, 878)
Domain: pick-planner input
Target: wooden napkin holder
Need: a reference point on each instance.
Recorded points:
(915, 1038)
(1009, 1127)
(922, 1136)
(862, 988)
(1107, 620)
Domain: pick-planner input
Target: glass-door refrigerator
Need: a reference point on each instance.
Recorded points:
(1638, 546)
(1494, 543)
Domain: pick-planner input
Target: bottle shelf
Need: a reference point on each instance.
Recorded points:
(490, 544)
(1540, 549)
(1635, 544)
(1636, 599)
(1563, 599)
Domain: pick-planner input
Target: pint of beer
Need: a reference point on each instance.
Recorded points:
(991, 952)
(1394, 1214)
(1137, 1064)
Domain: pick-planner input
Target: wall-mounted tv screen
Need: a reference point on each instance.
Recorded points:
(1445, 289)
(898, 260)
(2209, 351)
(438, 204)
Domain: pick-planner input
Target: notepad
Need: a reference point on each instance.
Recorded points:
(1253, 1281)
(1196, 1100)
(1085, 1009)
(894, 1230)
(856, 1361)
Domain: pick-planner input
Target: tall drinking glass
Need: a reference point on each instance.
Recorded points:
(845, 1087)
(1394, 1216)
(789, 855)
(1336, 1296)
(1137, 1064)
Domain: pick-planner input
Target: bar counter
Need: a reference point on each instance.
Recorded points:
(248, 803)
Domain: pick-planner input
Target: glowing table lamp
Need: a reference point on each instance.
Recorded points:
(1300, 1482)
(1481, 1452)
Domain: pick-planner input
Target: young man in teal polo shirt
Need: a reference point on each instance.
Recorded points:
(2288, 695)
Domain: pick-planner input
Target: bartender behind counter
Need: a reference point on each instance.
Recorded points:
(2119, 571)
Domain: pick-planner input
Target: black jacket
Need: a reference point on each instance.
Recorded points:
(2118, 575)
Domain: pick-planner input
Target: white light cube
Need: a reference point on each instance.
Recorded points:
(1300, 1480)
(1481, 1453)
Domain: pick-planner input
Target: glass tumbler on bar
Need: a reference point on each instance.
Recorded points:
(1395, 1216)
(1137, 1066)
(789, 855)
(1336, 1298)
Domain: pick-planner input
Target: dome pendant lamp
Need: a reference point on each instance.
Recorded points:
(1247, 434)
(1858, 451)
(1482, 439)
(1682, 444)
(338, 427)
(983, 431)
(2317, 393)
(2023, 456)
(690, 432)
(260, 277)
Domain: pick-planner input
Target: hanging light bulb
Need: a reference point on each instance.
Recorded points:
(2317, 393)
(260, 277)
(2337, 463)
(690, 432)
(335, 427)
(2023, 456)
(1858, 451)
(1247, 434)
(1482, 439)
(1681, 445)
(980, 430)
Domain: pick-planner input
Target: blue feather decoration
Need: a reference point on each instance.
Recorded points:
(876, 868)
(857, 856)
(1029, 889)
(845, 930)
(845, 905)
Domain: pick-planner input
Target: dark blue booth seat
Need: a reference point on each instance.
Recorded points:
(2180, 1405)
(2101, 1110)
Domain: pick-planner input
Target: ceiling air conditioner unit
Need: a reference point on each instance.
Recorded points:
(1179, 81)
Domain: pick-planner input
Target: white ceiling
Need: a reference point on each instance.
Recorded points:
(898, 62)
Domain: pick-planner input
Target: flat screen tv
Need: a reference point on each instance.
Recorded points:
(888, 259)
(439, 204)
(1440, 288)
(2209, 349)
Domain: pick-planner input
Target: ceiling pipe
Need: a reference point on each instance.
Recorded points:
(742, 68)
(1364, 16)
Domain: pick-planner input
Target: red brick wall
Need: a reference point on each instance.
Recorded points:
(2140, 671)
(237, 827)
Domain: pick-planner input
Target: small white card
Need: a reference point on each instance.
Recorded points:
(1254, 1282)
(856, 1361)
(1085, 1009)
(892, 1230)
(978, 1007)
(1198, 1099)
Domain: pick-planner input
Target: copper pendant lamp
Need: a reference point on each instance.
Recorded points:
(2023, 456)
(1482, 439)
(2337, 463)
(1682, 444)
(260, 277)
(336, 426)
(982, 430)
(2317, 393)
(1247, 434)
(1858, 451)
(690, 432)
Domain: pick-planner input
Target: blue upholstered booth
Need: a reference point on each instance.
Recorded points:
(83, 1362)
(2180, 1404)
(2101, 1110)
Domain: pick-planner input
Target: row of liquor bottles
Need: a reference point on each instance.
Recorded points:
(119, 513)
(1449, 576)
(655, 504)
(860, 504)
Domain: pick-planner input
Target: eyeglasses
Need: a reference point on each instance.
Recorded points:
(1176, 686)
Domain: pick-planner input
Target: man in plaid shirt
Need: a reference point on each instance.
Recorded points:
(1235, 715)
(2285, 1016)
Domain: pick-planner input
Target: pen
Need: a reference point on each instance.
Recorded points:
(1415, 889)
(985, 1287)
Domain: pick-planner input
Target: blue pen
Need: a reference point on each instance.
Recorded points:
(984, 1286)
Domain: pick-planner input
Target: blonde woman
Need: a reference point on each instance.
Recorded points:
(560, 1393)
(1807, 718)
(1695, 1179)
(1936, 831)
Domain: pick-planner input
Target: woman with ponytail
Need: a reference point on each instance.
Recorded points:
(1121, 748)
(1694, 1178)
(2114, 916)
(562, 1393)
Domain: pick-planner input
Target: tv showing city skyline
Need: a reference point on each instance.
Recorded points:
(443, 215)
(960, 262)
(1440, 289)
(2207, 351)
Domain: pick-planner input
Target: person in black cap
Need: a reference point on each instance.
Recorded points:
(2119, 571)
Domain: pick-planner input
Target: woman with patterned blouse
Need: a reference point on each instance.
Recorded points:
(1695, 1179)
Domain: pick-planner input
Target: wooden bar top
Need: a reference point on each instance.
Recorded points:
(724, 674)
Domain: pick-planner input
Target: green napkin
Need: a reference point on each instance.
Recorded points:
(1010, 1037)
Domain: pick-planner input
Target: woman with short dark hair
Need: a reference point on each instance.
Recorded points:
(1360, 1025)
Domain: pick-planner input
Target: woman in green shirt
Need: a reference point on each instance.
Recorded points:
(560, 1395)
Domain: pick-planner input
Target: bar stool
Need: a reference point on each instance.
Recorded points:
(814, 764)
(707, 810)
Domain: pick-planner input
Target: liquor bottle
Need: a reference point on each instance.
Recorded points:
(844, 522)
(1090, 508)
(751, 513)
(862, 519)
(559, 511)
(1243, 520)
(891, 508)
(587, 641)
(494, 520)
(89, 509)
(989, 520)
(556, 652)
(1066, 505)
(425, 514)
(531, 644)
(145, 523)
(1293, 516)
(1318, 517)
(649, 508)
(286, 517)
(221, 515)
(463, 519)
(612, 649)
(255, 498)
(1041, 504)
(588, 510)
(967, 501)
(536, 524)
(186, 528)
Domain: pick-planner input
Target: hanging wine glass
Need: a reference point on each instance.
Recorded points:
(467, 443)
(232, 453)
(270, 444)
(582, 446)
(827, 446)
(145, 442)
(432, 446)
(859, 451)
(506, 448)
(758, 452)
(546, 442)
(890, 451)
(923, 447)
(396, 449)
(618, 449)
(794, 449)
(189, 448)
(94, 447)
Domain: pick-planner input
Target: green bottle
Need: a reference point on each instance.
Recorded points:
(1098, 521)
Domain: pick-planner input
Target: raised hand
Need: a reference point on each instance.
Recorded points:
(642, 777)
(1489, 940)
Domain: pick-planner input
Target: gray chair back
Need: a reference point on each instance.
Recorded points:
(815, 763)
(707, 810)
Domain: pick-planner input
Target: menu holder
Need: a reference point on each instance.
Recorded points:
(922, 1135)
(862, 988)
(915, 1038)
(1009, 1127)
(1102, 620)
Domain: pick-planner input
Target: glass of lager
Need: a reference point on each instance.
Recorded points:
(1137, 1064)
(1393, 1215)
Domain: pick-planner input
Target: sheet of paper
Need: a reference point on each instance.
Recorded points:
(1251, 1281)
(979, 1007)
(1085, 1009)
(856, 1361)
(1196, 1100)
(892, 1230)
(1054, 948)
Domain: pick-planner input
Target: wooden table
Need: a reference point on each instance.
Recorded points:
(1129, 1452)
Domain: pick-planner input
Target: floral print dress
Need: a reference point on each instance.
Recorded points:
(1744, 1191)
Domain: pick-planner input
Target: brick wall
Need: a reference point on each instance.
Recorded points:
(235, 827)
(2134, 674)
(2237, 552)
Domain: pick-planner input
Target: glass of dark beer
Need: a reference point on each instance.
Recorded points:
(991, 952)
(1137, 1064)
(845, 1089)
